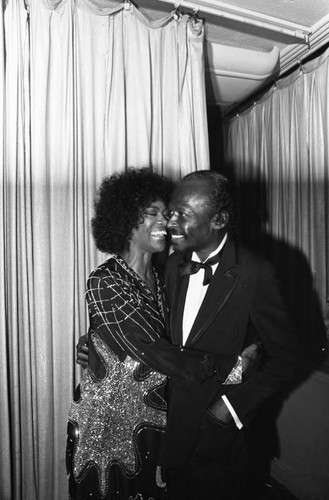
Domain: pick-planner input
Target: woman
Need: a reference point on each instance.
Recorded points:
(117, 420)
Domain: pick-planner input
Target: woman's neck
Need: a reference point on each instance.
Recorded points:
(141, 263)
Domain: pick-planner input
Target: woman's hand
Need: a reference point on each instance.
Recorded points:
(82, 349)
(251, 357)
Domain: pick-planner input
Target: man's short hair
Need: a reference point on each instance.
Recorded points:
(220, 194)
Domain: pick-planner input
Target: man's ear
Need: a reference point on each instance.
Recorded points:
(220, 220)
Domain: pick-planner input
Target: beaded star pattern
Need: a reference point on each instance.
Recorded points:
(109, 415)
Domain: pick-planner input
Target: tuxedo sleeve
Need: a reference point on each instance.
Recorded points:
(119, 315)
(269, 317)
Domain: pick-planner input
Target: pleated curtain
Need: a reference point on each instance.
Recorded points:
(87, 88)
(280, 145)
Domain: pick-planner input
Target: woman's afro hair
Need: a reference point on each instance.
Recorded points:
(120, 202)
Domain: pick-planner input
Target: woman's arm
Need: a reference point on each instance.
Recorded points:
(127, 323)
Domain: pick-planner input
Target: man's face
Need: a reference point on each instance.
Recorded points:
(191, 224)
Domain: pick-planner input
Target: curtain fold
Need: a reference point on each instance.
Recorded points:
(17, 258)
(280, 145)
(89, 88)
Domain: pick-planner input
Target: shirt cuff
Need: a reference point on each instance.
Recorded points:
(237, 421)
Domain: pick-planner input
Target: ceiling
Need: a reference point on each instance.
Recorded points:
(249, 43)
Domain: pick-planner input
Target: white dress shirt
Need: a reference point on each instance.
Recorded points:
(195, 294)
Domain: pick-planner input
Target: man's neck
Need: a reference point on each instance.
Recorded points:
(203, 255)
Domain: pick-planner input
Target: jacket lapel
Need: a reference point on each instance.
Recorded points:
(220, 288)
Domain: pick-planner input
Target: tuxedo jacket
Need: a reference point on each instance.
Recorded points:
(243, 303)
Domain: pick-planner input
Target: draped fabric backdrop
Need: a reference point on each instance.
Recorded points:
(281, 147)
(88, 88)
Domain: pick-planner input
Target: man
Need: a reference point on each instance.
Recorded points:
(219, 308)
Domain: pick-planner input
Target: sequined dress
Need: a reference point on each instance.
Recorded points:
(117, 420)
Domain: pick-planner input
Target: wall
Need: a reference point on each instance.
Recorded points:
(303, 427)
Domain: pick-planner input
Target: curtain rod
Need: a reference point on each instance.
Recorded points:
(249, 101)
(246, 16)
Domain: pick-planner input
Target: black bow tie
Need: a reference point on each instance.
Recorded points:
(192, 267)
